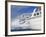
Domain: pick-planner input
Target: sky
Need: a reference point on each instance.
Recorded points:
(18, 10)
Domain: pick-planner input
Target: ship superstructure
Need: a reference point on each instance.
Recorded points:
(28, 20)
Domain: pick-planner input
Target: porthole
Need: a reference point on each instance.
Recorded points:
(34, 14)
(37, 13)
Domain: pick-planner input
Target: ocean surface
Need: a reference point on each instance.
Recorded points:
(25, 30)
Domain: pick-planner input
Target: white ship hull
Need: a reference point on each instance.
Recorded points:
(34, 23)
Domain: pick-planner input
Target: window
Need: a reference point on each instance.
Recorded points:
(37, 13)
(34, 14)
